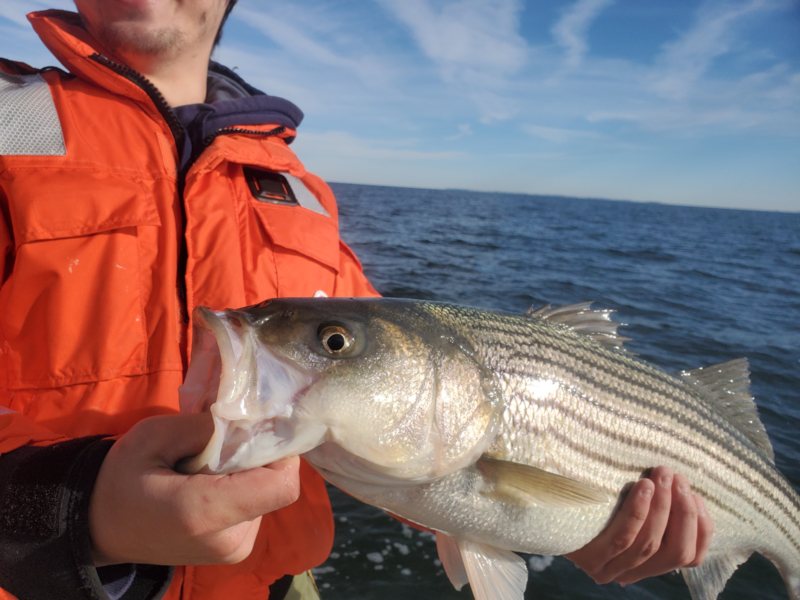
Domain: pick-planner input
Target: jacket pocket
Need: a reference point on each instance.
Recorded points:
(71, 310)
(305, 242)
(305, 249)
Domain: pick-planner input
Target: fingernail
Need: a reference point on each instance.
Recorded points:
(646, 492)
(684, 489)
(666, 481)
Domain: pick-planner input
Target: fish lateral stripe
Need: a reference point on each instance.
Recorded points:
(686, 402)
(681, 463)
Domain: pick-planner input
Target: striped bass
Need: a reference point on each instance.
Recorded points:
(502, 433)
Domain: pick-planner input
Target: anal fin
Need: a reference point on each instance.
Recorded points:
(494, 574)
(707, 581)
(450, 556)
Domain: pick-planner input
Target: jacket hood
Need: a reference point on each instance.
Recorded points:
(230, 100)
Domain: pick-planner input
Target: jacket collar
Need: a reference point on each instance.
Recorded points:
(231, 101)
(63, 34)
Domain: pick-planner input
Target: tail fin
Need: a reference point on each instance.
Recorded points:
(791, 577)
(706, 581)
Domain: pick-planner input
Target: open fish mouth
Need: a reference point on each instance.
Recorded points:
(252, 393)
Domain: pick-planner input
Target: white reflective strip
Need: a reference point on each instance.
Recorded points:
(304, 197)
(6, 411)
(29, 124)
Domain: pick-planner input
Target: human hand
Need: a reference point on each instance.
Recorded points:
(142, 511)
(661, 526)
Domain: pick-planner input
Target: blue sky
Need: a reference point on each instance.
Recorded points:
(685, 102)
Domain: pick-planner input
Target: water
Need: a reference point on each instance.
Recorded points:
(696, 286)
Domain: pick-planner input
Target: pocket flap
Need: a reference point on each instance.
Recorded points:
(70, 203)
(301, 230)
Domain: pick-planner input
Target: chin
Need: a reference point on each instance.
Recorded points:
(140, 39)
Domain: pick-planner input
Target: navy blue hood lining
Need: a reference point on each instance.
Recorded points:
(252, 108)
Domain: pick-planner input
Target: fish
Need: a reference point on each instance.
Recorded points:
(501, 433)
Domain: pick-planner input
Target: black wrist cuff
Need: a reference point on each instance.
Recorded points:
(45, 546)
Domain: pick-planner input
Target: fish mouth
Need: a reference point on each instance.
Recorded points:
(251, 392)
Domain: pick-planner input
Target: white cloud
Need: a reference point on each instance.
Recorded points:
(15, 10)
(681, 93)
(475, 44)
(473, 34)
(683, 62)
(18, 41)
(292, 38)
(571, 30)
(764, 102)
(346, 144)
(330, 58)
(464, 130)
(558, 135)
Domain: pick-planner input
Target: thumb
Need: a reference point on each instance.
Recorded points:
(169, 439)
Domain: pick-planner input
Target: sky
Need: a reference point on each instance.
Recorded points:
(677, 101)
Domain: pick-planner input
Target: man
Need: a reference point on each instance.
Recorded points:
(146, 182)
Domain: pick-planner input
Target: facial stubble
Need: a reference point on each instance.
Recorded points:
(128, 39)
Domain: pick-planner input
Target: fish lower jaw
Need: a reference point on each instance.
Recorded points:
(252, 393)
(242, 445)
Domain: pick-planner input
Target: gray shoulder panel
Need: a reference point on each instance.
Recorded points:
(29, 124)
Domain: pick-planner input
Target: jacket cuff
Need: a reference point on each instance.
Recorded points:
(45, 546)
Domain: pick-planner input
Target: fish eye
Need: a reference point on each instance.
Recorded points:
(335, 338)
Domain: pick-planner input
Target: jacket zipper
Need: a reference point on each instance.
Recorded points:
(209, 139)
(178, 132)
(179, 135)
(229, 130)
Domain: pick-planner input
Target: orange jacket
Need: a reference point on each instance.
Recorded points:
(93, 335)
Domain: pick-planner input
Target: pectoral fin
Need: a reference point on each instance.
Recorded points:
(528, 486)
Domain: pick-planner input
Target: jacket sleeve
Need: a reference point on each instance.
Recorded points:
(44, 501)
(45, 546)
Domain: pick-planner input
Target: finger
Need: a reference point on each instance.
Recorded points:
(228, 547)
(705, 529)
(651, 534)
(679, 545)
(218, 502)
(620, 533)
(195, 432)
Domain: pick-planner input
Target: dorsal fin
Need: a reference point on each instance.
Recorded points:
(727, 386)
(596, 324)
